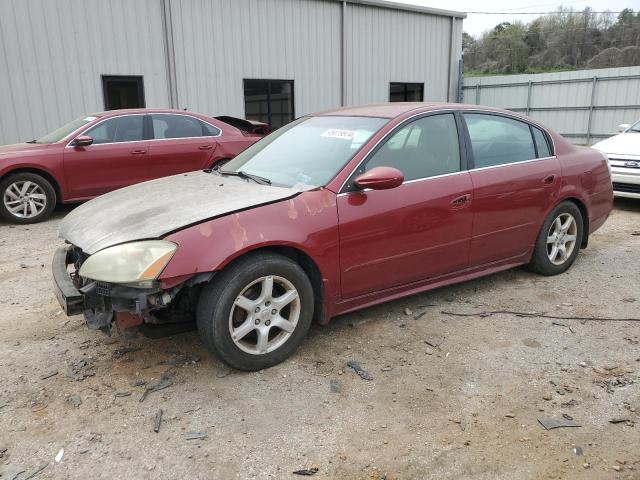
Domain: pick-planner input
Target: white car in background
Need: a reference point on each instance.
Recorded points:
(623, 151)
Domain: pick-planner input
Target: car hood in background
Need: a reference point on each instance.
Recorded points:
(627, 143)
(153, 209)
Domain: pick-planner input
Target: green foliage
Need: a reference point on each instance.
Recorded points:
(565, 40)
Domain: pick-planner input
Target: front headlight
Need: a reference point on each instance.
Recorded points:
(132, 263)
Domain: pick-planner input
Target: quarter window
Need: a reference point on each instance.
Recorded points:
(499, 140)
(541, 143)
(120, 129)
(424, 148)
(179, 126)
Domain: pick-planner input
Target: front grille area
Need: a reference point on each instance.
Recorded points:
(626, 187)
(103, 289)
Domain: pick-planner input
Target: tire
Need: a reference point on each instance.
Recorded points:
(546, 249)
(260, 343)
(40, 198)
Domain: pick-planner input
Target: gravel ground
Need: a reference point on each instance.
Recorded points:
(451, 397)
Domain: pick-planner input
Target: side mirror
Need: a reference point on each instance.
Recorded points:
(82, 141)
(623, 126)
(380, 178)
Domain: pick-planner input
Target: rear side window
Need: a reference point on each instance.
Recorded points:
(179, 126)
(499, 140)
(120, 129)
(541, 143)
(424, 148)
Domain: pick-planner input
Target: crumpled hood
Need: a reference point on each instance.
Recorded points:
(623, 144)
(153, 209)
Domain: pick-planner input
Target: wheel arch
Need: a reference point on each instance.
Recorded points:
(38, 171)
(585, 217)
(309, 266)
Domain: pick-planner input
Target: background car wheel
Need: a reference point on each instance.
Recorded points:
(26, 198)
(559, 240)
(255, 313)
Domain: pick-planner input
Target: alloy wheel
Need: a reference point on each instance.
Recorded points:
(264, 315)
(561, 238)
(25, 199)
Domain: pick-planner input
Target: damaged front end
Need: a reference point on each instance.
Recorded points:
(108, 306)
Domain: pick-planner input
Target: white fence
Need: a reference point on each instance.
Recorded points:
(585, 105)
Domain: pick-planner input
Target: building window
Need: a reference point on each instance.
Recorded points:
(122, 92)
(406, 92)
(269, 101)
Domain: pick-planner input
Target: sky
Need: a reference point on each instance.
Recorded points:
(476, 24)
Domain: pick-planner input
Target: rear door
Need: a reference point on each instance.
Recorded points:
(180, 143)
(516, 179)
(417, 231)
(117, 157)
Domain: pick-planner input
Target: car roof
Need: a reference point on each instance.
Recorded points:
(386, 110)
(131, 111)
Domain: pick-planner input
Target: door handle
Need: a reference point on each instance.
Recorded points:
(138, 152)
(460, 201)
(550, 180)
(205, 147)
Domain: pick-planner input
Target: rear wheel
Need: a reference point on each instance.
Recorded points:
(256, 312)
(26, 198)
(559, 240)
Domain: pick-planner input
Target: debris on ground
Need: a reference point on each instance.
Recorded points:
(74, 400)
(157, 421)
(611, 384)
(121, 352)
(408, 311)
(49, 374)
(359, 370)
(334, 386)
(138, 383)
(183, 359)
(578, 451)
(164, 382)
(196, 435)
(551, 423)
(307, 471)
(35, 472)
(122, 394)
(560, 324)
(434, 341)
(461, 423)
(81, 369)
(59, 456)
(620, 420)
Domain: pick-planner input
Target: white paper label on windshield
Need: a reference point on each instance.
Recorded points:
(343, 134)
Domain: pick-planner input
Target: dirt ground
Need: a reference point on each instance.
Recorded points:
(451, 397)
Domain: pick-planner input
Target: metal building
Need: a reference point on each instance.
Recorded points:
(270, 60)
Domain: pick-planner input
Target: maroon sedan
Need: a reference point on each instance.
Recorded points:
(105, 151)
(332, 213)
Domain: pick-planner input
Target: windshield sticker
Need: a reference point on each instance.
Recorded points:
(89, 119)
(335, 133)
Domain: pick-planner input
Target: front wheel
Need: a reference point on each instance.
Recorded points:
(256, 312)
(26, 198)
(559, 240)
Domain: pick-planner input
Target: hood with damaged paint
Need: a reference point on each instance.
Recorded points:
(153, 209)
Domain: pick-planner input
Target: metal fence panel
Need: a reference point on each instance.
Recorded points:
(585, 105)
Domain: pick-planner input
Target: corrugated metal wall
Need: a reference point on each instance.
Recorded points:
(566, 101)
(385, 46)
(219, 43)
(53, 53)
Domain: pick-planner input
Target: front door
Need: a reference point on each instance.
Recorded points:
(117, 157)
(180, 143)
(417, 231)
(516, 180)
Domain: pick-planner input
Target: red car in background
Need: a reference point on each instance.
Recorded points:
(105, 151)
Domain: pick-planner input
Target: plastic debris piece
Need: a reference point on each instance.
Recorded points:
(359, 370)
(551, 423)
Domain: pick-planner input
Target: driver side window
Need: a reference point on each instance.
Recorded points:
(128, 128)
(424, 148)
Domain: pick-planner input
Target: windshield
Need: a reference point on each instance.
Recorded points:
(307, 152)
(635, 127)
(59, 133)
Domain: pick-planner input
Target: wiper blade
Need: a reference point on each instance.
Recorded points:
(31, 141)
(243, 174)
